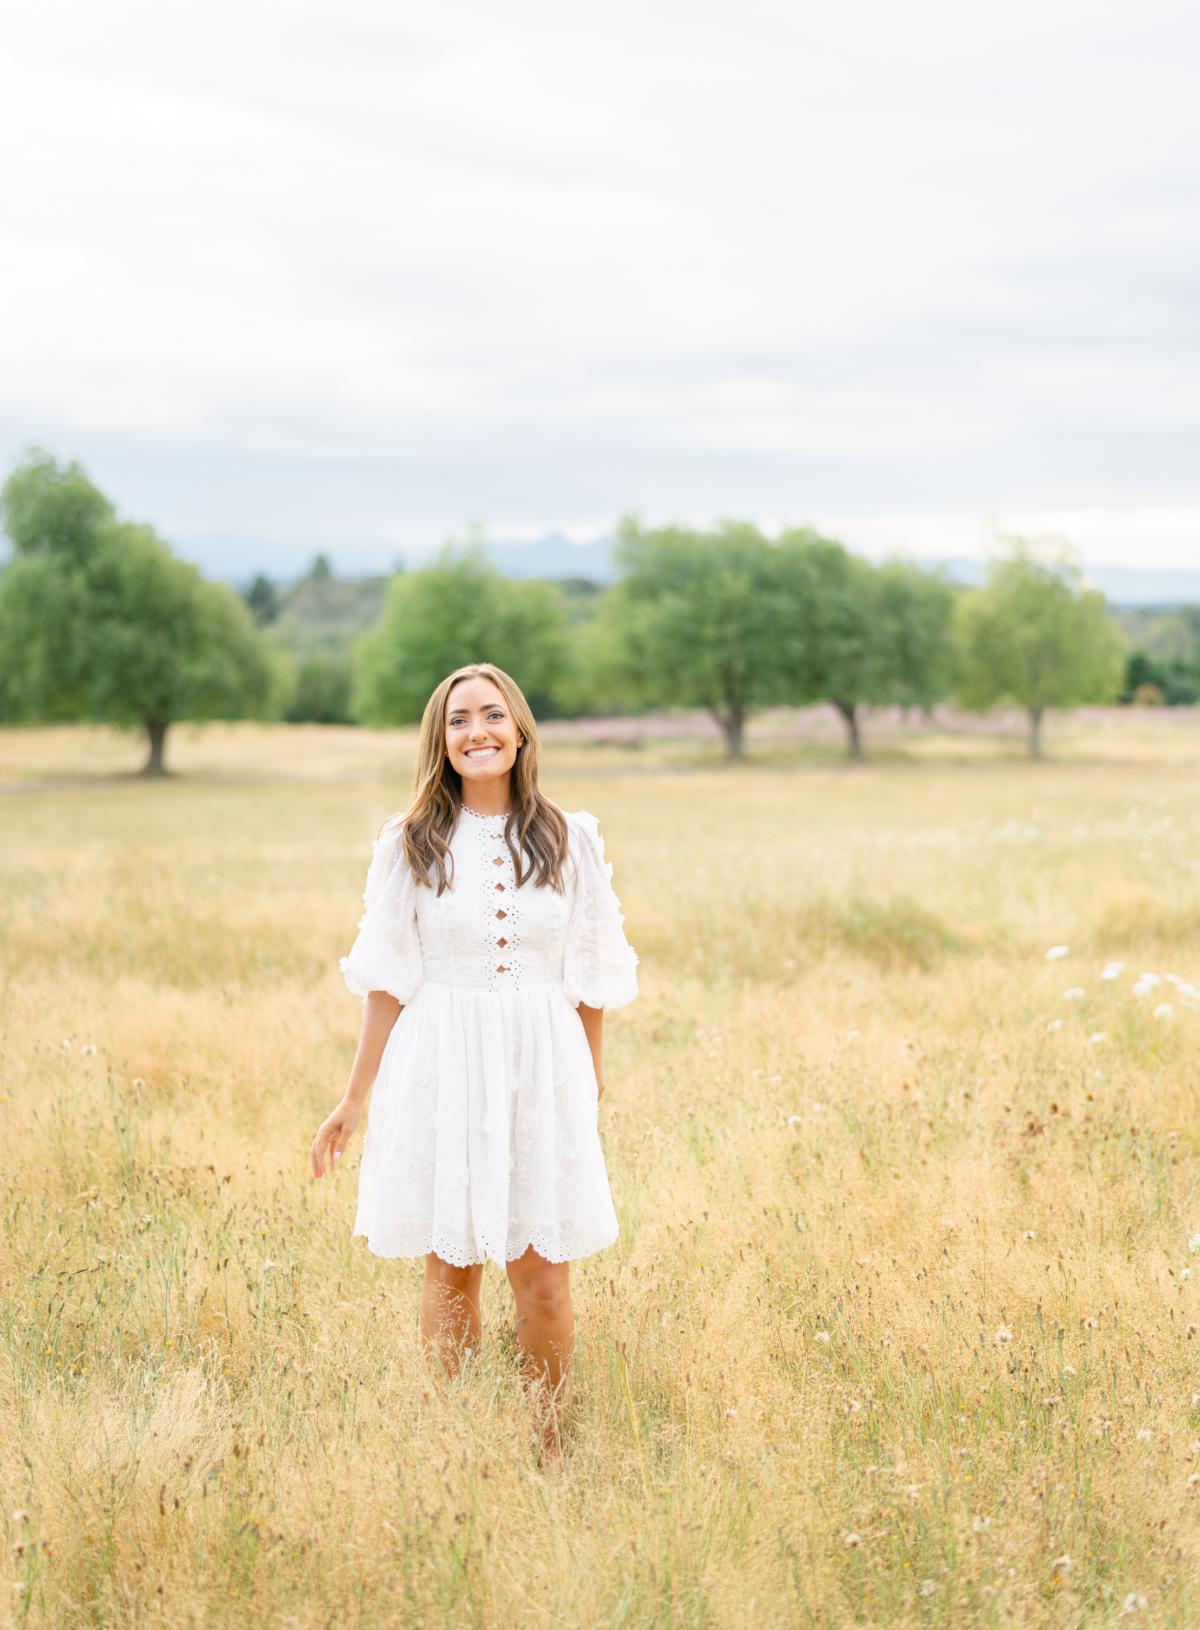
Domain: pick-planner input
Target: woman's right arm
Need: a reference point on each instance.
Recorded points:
(380, 1012)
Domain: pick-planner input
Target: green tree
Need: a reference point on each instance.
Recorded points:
(1037, 637)
(264, 600)
(835, 647)
(100, 621)
(458, 609)
(915, 624)
(695, 618)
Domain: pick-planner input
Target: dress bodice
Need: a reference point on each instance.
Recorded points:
(483, 933)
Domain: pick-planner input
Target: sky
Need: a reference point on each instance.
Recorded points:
(357, 276)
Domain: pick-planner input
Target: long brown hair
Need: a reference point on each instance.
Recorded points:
(535, 827)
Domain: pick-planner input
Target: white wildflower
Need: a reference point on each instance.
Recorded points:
(1113, 970)
(88, 1050)
(64, 1046)
(851, 1540)
(1146, 984)
(1030, 1233)
(1075, 993)
(1056, 951)
(980, 1525)
(1003, 1334)
(1182, 986)
(1135, 1602)
(1097, 1036)
(853, 1035)
(821, 1335)
(1185, 1273)
(1055, 1024)
(927, 1587)
(1164, 1010)
(1144, 1434)
(1194, 1243)
(1062, 1564)
(794, 1120)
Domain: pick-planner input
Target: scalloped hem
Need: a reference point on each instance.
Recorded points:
(458, 1257)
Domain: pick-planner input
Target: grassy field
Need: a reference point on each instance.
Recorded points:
(903, 1327)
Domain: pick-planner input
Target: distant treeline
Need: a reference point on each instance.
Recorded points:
(99, 620)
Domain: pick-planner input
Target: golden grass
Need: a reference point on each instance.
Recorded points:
(900, 1328)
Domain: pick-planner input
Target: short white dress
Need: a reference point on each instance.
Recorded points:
(483, 1132)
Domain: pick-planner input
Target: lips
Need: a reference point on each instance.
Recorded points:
(482, 752)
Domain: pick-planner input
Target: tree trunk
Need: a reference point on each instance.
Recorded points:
(732, 721)
(156, 730)
(1035, 732)
(849, 712)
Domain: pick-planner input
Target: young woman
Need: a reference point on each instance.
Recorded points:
(491, 944)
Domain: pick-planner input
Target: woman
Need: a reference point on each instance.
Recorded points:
(491, 944)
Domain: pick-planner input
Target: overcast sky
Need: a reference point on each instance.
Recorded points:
(352, 276)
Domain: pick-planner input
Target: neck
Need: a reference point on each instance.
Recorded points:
(488, 799)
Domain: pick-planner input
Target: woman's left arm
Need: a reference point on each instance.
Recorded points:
(593, 1026)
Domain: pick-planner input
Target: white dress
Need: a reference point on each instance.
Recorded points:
(483, 1133)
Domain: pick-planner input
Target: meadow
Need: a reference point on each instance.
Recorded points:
(903, 1325)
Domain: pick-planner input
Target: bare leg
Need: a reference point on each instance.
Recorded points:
(450, 1317)
(546, 1337)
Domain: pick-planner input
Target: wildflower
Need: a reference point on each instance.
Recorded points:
(1182, 986)
(1194, 1243)
(817, 1106)
(1075, 993)
(821, 1335)
(1164, 1010)
(853, 1035)
(730, 1413)
(1185, 1273)
(1113, 970)
(137, 1083)
(1003, 1334)
(980, 1525)
(1146, 984)
(1056, 951)
(1055, 1024)
(1062, 1564)
(1193, 1480)
(1030, 1233)
(851, 1540)
(88, 1050)
(64, 1045)
(1135, 1602)
(927, 1587)
(268, 1265)
(794, 1120)
(1097, 1036)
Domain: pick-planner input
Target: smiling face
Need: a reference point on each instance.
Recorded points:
(481, 734)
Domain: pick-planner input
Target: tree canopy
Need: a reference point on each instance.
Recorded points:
(458, 609)
(1035, 635)
(99, 620)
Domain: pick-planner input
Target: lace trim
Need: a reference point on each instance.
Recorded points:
(554, 1248)
(600, 967)
(499, 905)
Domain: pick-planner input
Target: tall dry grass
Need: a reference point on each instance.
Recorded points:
(901, 1328)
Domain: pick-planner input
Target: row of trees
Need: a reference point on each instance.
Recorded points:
(98, 620)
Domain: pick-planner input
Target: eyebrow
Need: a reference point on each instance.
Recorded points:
(486, 708)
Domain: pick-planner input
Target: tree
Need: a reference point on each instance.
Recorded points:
(915, 625)
(100, 621)
(696, 617)
(264, 600)
(458, 610)
(1036, 636)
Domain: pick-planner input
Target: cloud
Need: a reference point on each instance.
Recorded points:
(545, 262)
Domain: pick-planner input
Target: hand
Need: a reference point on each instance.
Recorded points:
(333, 1135)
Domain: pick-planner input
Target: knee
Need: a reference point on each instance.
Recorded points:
(546, 1294)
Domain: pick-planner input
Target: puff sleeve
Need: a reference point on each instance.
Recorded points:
(599, 964)
(386, 955)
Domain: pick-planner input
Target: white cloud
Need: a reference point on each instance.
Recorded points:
(369, 271)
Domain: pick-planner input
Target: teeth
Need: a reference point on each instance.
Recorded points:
(482, 752)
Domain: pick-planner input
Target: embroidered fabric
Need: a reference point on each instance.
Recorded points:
(483, 1134)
